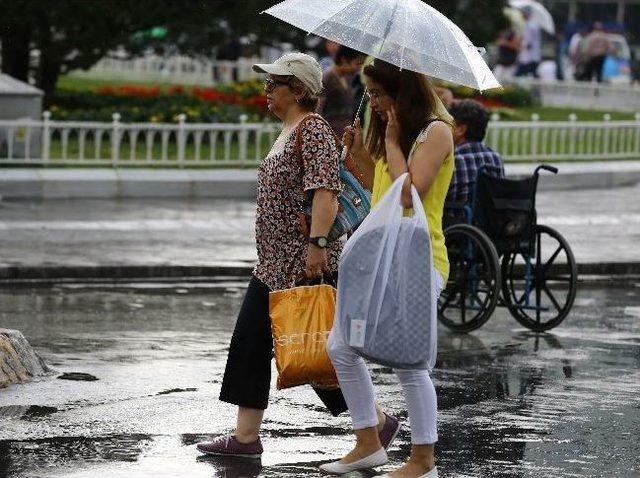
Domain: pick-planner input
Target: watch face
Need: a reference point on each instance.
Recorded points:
(322, 241)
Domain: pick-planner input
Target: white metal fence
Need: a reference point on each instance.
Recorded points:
(48, 142)
(537, 140)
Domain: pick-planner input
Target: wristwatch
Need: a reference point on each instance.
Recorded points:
(320, 241)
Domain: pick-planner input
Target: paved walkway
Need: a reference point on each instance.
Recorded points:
(144, 238)
(511, 404)
(35, 183)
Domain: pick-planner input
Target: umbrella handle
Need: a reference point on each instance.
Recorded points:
(360, 106)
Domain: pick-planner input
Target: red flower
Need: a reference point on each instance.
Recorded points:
(176, 90)
(106, 90)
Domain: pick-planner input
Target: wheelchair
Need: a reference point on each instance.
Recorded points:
(500, 256)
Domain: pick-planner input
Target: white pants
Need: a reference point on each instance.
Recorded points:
(357, 388)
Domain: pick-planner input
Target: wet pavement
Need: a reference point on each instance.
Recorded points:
(602, 226)
(511, 403)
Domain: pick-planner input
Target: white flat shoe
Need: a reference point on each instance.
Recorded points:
(375, 459)
(432, 473)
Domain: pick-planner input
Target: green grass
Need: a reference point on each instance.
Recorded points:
(548, 113)
(70, 82)
(223, 153)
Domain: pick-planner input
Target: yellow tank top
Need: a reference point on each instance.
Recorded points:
(433, 203)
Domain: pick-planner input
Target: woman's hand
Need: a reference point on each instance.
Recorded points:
(352, 139)
(317, 262)
(392, 136)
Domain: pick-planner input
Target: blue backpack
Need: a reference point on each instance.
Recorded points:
(354, 202)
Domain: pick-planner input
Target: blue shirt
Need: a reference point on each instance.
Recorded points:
(469, 157)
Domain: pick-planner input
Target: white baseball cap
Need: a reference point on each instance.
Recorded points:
(304, 67)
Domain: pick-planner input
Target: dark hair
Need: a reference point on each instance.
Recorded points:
(415, 105)
(345, 53)
(473, 115)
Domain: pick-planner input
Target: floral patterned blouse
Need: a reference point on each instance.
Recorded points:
(282, 185)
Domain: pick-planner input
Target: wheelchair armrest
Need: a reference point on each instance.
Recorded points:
(546, 167)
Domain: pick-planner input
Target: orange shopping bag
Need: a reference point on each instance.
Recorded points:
(301, 319)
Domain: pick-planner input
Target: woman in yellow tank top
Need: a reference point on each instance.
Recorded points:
(410, 131)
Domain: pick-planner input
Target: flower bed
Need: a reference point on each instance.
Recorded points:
(224, 104)
(511, 96)
(136, 103)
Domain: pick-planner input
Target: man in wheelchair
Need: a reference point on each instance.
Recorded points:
(471, 153)
(498, 253)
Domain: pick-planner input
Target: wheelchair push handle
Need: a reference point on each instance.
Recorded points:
(546, 167)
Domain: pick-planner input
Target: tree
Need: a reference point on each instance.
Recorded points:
(481, 21)
(75, 34)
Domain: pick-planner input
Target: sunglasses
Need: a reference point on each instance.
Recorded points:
(270, 84)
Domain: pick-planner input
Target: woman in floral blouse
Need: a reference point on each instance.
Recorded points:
(300, 164)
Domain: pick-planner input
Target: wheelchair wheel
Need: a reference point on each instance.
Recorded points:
(539, 290)
(472, 292)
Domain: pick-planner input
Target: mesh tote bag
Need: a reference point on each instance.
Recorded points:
(385, 309)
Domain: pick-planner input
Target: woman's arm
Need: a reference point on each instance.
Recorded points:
(320, 176)
(427, 158)
(324, 210)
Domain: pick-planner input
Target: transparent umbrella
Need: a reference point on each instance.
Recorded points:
(540, 14)
(407, 33)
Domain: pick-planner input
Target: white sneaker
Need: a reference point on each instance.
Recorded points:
(375, 459)
(432, 473)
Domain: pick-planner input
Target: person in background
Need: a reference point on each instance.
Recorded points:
(575, 52)
(508, 48)
(228, 53)
(561, 46)
(635, 68)
(327, 61)
(531, 50)
(471, 120)
(597, 47)
(339, 101)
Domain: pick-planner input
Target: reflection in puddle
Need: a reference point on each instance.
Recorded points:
(232, 467)
(26, 412)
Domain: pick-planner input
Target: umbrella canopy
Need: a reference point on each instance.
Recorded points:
(407, 33)
(540, 14)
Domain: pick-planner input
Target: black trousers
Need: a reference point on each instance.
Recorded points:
(247, 376)
(594, 68)
(526, 69)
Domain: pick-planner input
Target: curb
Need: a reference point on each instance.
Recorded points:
(121, 272)
(162, 272)
(49, 183)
